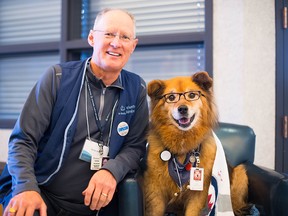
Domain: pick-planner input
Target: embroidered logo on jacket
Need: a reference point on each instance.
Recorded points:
(127, 110)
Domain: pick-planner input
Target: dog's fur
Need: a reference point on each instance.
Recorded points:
(168, 132)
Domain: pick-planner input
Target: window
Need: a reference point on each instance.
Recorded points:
(29, 37)
(167, 61)
(175, 38)
(155, 17)
(29, 22)
(159, 18)
(18, 74)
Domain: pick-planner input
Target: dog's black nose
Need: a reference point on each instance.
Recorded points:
(183, 109)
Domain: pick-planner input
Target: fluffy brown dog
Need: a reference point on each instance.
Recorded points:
(183, 116)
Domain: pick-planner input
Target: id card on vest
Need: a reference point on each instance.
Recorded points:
(95, 153)
(196, 179)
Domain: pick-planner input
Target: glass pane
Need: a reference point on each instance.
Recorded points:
(164, 62)
(18, 74)
(29, 21)
(152, 17)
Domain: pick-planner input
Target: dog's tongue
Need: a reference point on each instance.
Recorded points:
(183, 120)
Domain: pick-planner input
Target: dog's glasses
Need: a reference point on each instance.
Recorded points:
(175, 97)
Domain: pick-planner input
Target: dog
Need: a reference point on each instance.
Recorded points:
(182, 118)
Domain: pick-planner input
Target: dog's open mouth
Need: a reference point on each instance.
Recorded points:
(185, 122)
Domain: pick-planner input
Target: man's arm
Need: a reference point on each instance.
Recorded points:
(30, 127)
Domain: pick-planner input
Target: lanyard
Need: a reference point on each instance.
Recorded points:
(95, 111)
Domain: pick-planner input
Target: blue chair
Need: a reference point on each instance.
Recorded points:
(268, 189)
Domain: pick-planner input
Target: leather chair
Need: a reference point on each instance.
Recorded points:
(268, 189)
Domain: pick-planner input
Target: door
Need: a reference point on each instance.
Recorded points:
(281, 141)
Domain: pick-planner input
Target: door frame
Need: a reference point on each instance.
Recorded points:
(281, 143)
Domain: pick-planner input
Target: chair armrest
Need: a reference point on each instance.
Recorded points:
(238, 142)
(130, 197)
(268, 189)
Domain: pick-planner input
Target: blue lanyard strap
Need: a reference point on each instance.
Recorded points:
(95, 111)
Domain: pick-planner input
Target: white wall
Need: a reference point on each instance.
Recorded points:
(4, 136)
(244, 69)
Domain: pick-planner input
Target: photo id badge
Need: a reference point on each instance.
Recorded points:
(100, 158)
(95, 148)
(98, 162)
(196, 179)
(90, 148)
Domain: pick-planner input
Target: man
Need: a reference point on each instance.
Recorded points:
(81, 130)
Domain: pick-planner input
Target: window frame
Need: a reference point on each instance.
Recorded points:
(281, 156)
(69, 46)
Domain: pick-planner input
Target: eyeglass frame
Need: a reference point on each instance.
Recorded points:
(111, 35)
(198, 93)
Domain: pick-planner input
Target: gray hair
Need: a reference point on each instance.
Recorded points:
(106, 10)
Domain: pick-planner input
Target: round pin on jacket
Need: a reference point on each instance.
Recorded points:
(123, 128)
(165, 155)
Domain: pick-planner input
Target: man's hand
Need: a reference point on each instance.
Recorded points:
(26, 203)
(100, 190)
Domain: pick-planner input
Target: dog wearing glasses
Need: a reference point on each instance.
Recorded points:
(180, 139)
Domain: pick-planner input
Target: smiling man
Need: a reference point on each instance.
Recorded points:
(113, 41)
(81, 130)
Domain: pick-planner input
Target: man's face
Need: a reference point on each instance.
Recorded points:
(110, 52)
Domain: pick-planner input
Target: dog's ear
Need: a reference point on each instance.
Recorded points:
(155, 88)
(203, 80)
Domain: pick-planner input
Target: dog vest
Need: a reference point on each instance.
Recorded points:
(219, 199)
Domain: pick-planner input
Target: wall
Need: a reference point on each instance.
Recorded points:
(244, 69)
(4, 136)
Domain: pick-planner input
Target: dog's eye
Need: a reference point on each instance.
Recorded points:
(171, 98)
(192, 95)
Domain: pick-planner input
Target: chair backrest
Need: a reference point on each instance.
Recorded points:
(238, 142)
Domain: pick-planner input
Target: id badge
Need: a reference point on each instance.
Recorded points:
(196, 179)
(95, 148)
(98, 162)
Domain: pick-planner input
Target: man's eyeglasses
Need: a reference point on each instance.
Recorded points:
(175, 97)
(111, 36)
